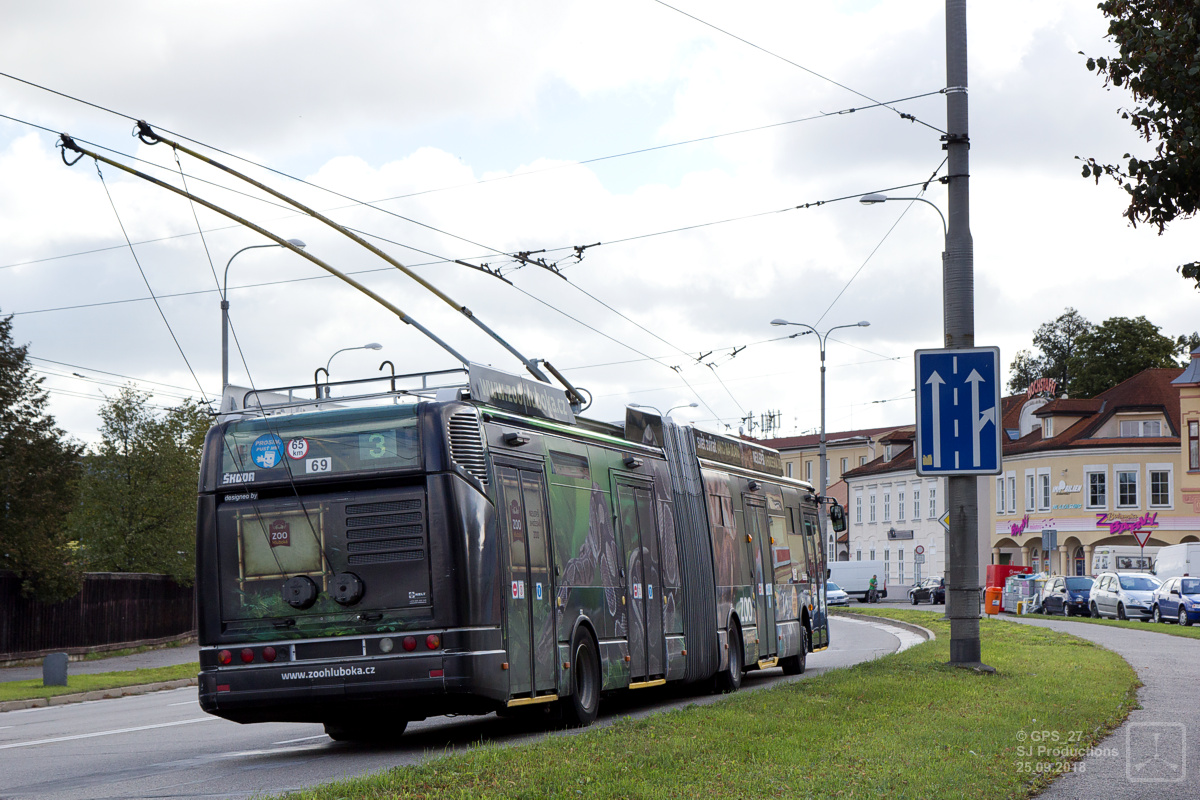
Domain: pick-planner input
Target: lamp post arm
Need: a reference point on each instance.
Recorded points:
(225, 282)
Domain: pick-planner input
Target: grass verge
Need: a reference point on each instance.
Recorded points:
(27, 690)
(905, 726)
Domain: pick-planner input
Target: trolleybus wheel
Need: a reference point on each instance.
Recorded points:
(730, 678)
(794, 665)
(581, 707)
(343, 731)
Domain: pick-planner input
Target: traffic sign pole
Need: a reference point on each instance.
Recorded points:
(958, 293)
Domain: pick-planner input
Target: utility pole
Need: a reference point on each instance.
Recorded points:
(958, 296)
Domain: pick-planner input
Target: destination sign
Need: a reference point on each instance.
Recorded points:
(734, 452)
(522, 395)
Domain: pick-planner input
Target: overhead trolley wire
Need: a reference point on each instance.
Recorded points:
(786, 60)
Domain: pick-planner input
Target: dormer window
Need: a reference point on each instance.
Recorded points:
(887, 452)
(1048, 428)
(1134, 428)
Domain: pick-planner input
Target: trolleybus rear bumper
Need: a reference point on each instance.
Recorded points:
(406, 685)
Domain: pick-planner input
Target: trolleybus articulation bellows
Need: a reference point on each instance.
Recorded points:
(474, 546)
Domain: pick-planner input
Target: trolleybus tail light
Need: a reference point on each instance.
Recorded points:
(410, 643)
(224, 657)
(433, 641)
(435, 673)
(269, 654)
(247, 655)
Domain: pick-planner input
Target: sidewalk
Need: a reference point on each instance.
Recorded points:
(1157, 745)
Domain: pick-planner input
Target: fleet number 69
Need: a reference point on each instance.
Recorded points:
(312, 465)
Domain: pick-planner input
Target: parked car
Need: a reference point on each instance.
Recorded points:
(1068, 595)
(1178, 600)
(931, 589)
(1125, 595)
(834, 595)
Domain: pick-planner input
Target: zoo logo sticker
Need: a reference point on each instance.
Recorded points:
(267, 450)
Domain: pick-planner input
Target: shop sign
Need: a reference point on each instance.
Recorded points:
(1018, 528)
(1126, 523)
(1042, 386)
(1065, 488)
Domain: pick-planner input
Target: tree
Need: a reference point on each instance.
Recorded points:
(1118, 349)
(1159, 63)
(137, 510)
(1024, 370)
(1057, 340)
(38, 466)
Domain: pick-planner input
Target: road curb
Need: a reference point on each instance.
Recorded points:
(98, 694)
(908, 626)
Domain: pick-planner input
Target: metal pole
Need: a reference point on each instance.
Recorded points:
(962, 501)
(823, 465)
(225, 310)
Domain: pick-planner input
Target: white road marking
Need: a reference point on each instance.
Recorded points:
(185, 703)
(303, 739)
(105, 733)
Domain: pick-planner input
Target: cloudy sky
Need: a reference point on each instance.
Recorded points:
(477, 130)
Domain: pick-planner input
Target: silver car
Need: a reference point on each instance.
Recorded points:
(834, 595)
(1123, 595)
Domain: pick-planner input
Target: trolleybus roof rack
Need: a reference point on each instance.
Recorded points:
(239, 401)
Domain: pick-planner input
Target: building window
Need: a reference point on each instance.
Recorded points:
(862, 460)
(916, 503)
(845, 464)
(872, 555)
(1012, 493)
(808, 471)
(1029, 493)
(887, 452)
(858, 507)
(1137, 428)
(858, 555)
(1127, 488)
(887, 506)
(789, 469)
(1048, 428)
(871, 507)
(832, 550)
(900, 505)
(1160, 488)
(900, 565)
(1097, 490)
(1000, 495)
(1194, 445)
(933, 502)
(1036, 561)
(1043, 490)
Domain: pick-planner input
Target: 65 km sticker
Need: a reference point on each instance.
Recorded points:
(297, 448)
(318, 465)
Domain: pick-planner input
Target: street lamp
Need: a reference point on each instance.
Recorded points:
(875, 199)
(669, 410)
(368, 346)
(822, 339)
(225, 307)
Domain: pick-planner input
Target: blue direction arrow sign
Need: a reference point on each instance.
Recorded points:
(958, 411)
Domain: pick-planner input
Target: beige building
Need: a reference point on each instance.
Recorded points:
(1099, 472)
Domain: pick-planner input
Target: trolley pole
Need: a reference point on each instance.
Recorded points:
(958, 294)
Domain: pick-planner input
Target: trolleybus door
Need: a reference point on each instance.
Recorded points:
(640, 560)
(764, 570)
(529, 617)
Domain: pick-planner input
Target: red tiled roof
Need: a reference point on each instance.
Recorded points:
(1149, 390)
(814, 439)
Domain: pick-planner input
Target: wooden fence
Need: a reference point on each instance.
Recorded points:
(112, 609)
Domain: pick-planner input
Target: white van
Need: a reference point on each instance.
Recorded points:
(855, 577)
(1123, 558)
(1177, 560)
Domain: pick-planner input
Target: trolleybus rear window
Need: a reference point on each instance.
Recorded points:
(353, 440)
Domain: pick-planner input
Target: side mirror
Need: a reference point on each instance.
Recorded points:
(837, 518)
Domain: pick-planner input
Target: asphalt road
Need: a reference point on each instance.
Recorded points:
(161, 745)
(1155, 753)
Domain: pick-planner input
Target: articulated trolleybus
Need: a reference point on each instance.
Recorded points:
(363, 562)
